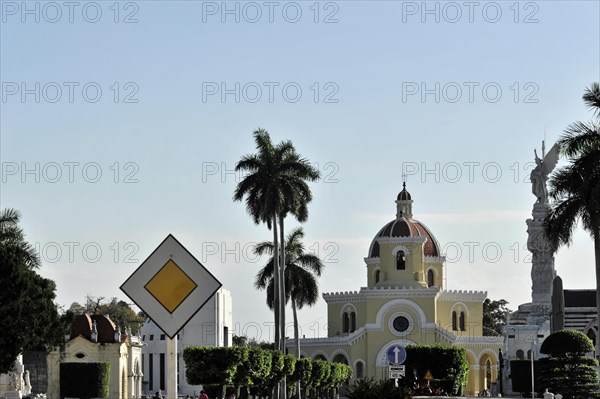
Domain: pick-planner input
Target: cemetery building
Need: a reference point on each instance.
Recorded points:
(95, 338)
(211, 326)
(404, 303)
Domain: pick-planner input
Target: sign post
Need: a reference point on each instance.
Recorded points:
(171, 372)
(171, 286)
(396, 355)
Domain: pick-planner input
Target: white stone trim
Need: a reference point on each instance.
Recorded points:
(320, 352)
(401, 240)
(340, 352)
(463, 296)
(399, 248)
(466, 310)
(472, 353)
(494, 355)
(394, 303)
(344, 309)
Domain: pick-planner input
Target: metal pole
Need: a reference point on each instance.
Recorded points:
(171, 368)
(532, 375)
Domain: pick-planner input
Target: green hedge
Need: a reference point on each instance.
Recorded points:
(258, 370)
(447, 363)
(84, 380)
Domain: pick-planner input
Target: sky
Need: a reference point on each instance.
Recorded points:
(122, 122)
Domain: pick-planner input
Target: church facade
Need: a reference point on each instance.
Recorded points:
(404, 303)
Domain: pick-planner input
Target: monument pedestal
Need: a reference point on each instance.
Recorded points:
(13, 394)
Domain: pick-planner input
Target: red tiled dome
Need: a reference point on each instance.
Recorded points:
(404, 227)
(82, 325)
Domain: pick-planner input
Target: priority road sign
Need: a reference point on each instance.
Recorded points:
(171, 286)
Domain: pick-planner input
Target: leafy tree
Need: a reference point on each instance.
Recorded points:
(29, 315)
(119, 312)
(494, 316)
(575, 188)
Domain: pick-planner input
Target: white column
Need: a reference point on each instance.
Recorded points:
(171, 372)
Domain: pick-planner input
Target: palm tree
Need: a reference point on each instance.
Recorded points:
(302, 288)
(575, 188)
(12, 235)
(263, 197)
(296, 196)
(274, 186)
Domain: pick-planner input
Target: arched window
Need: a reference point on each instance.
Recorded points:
(529, 354)
(360, 370)
(454, 328)
(430, 278)
(461, 321)
(377, 275)
(400, 261)
(520, 355)
(352, 321)
(345, 322)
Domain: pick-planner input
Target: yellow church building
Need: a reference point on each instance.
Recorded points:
(404, 303)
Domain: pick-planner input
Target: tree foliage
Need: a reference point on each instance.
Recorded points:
(494, 316)
(29, 315)
(119, 312)
(575, 188)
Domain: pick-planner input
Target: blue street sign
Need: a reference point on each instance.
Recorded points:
(396, 354)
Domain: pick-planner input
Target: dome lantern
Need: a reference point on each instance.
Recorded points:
(404, 204)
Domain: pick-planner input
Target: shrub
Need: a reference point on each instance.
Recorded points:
(84, 380)
(567, 341)
(574, 377)
(384, 389)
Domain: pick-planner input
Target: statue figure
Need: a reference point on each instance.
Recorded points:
(539, 175)
(26, 383)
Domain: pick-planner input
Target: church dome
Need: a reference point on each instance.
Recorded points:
(405, 226)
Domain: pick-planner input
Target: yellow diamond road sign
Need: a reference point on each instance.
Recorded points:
(171, 286)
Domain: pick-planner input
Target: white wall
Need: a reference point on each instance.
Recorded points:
(206, 328)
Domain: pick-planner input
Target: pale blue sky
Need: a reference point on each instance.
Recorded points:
(176, 135)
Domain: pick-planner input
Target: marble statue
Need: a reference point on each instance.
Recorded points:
(539, 175)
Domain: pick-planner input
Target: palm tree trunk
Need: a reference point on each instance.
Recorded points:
(596, 235)
(276, 307)
(297, 341)
(282, 292)
(282, 296)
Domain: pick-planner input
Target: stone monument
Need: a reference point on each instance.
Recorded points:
(542, 267)
(528, 326)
